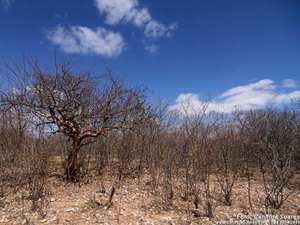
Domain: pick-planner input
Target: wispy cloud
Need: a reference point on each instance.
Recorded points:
(61, 16)
(5, 3)
(152, 48)
(155, 29)
(250, 96)
(129, 11)
(84, 40)
(289, 83)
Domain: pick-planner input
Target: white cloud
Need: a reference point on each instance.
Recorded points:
(152, 48)
(188, 104)
(84, 40)
(287, 97)
(155, 29)
(250, 96)
(140, 17)
(265, 85)
(289, 83)
(129, 11)
(5, 3)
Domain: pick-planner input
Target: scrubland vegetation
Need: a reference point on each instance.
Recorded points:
(76, 148)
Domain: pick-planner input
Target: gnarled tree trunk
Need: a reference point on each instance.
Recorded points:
(72, 168)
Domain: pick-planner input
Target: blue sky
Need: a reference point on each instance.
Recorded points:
(234, 52)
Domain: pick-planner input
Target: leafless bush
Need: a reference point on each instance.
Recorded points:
(37, 168)
(24, 158)
(228, 145)
(273, 138)
(196, 153)
(125, 156)
(101, 152)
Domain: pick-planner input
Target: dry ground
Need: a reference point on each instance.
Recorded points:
(135, 202)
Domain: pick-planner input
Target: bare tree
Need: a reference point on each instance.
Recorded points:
(81, 106)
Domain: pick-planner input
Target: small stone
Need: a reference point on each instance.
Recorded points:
(52, 200)
(4, 220)
(54, 219)
(70, 210)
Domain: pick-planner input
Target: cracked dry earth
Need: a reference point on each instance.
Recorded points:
(134, 202)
